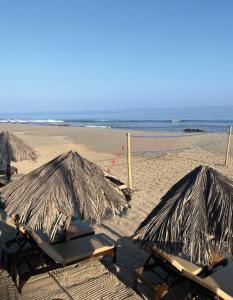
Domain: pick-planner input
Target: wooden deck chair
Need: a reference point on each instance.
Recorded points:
(49, 257)
(4, 170)
(18, 244)
(21, 244)
(179, 263)
(4, 180)
(171, 264)
(217, 285)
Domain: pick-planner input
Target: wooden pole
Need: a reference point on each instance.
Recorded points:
(228, 146)
(129, 160)
(54, 231)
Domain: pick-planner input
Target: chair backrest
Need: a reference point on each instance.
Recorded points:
(45, 247)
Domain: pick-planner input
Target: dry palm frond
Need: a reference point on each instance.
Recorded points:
(198, 207)
(14, 149)
(69, 184)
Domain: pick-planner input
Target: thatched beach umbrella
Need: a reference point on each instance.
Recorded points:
(66, 186)
(194, 217)
(13, 149)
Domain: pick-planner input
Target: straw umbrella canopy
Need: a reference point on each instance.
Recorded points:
(194, 217)
(14, 149)
(66, 186)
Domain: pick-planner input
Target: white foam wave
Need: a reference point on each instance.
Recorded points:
(46, 121)
(176, 121)
(31, 121)
(97, 126)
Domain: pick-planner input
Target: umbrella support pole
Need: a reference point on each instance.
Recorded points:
(8, 171)
(54, 231)
(147, 261)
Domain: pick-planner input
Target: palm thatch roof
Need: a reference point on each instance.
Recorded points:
(14, 149)
(68, 185)
(194, 217)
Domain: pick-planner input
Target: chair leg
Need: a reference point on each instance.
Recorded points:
(135, 281)
(3, 256)
(114, 255)
(22, 282)
(159, 291)
(136, 274)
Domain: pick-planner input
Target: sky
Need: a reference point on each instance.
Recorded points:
(64, 55)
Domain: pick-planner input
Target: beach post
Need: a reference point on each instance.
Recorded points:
(129, 160)
(228, 146)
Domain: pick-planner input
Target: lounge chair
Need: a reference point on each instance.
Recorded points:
(217, 285)
(175, 267)
(21, 243)
(49, 257)
(171, 264)
(4, 169)
(4, 180)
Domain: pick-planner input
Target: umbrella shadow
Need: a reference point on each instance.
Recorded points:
(61, 287)
(115, 233)
(129, 257)
(7, 232)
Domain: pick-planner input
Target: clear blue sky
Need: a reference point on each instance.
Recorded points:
(80, 55)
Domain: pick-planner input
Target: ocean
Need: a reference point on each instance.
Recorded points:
(209, 119)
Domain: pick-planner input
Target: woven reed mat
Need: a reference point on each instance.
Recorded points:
(7, 287)
(89, 280)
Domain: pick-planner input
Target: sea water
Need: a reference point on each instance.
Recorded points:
(210, 119)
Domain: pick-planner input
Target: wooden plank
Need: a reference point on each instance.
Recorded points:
(123, 186)
(228, 146)
(129, 160)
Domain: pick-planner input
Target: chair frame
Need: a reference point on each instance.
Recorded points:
(201, 289)
(6, 169)
(22, 256)
(159, 261)
(196, 288)
(50, 265)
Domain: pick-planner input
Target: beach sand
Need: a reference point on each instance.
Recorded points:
(152, 173)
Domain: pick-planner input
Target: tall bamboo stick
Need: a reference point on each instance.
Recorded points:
(228, 146)
(129, 160)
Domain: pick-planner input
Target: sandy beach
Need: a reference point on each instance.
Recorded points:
(152, 174)
(107, 102)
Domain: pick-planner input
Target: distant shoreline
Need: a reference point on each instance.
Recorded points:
(61, 124)
(157, 120)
